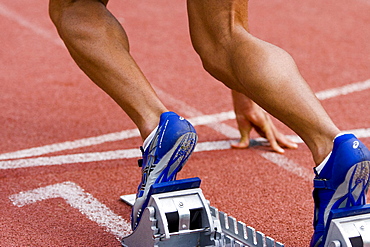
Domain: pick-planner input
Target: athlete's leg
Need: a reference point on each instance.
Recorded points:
(268, 75)
(263, 72)
(99, 45)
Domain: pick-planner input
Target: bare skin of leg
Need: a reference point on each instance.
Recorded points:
(261, 71)
(99, 45)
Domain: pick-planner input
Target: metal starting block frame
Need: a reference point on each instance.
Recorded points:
(179, 215)
(349, 227)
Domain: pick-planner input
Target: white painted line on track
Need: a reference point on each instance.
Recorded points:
(70, 159)
(77, 198)
(129, 153)
(111, 137)
(116, 136)
(289, 165)
(213, 118)
(97, 156)
(347, 89)
(85, 142)
(14, 16)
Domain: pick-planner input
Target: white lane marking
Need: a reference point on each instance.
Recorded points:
(289, 165)
(77, 198)
(116, 136)
(131, 153)
(70, 159)
(14, 16)
(212, 118)
(347, 89)
(97, 156)
(85, 142)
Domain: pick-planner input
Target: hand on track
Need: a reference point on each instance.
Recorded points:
(251, 116)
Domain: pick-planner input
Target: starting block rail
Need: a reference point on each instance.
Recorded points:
(179, 215)
(237, 233)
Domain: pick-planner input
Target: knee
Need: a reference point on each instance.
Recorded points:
(214, 53)
(207, 55)
(55, 9)
(61, 11)
(73, 18)
(206, 49)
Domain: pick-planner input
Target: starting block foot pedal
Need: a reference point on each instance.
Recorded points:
(177, 215)
(349, 227)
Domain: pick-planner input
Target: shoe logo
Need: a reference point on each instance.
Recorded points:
(356, 144)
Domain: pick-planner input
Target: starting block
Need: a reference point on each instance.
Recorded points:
(179, 215)
(349, 227)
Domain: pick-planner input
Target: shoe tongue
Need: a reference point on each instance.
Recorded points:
(319, 168)
(150, 137)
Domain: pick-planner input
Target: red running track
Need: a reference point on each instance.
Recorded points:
(46, 100)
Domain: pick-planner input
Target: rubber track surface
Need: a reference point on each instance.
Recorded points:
(68, 194)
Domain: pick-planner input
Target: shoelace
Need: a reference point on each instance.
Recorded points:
(140, 161)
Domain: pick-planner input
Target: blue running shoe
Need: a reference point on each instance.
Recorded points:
(342, 183)
(166, 154)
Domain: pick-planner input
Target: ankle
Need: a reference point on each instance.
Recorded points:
(146, 130)
(322, 149)
(148, 124)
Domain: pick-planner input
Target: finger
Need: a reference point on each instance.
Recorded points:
(286, 142)
(270, 136)
(275, 146)
(282, 139)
